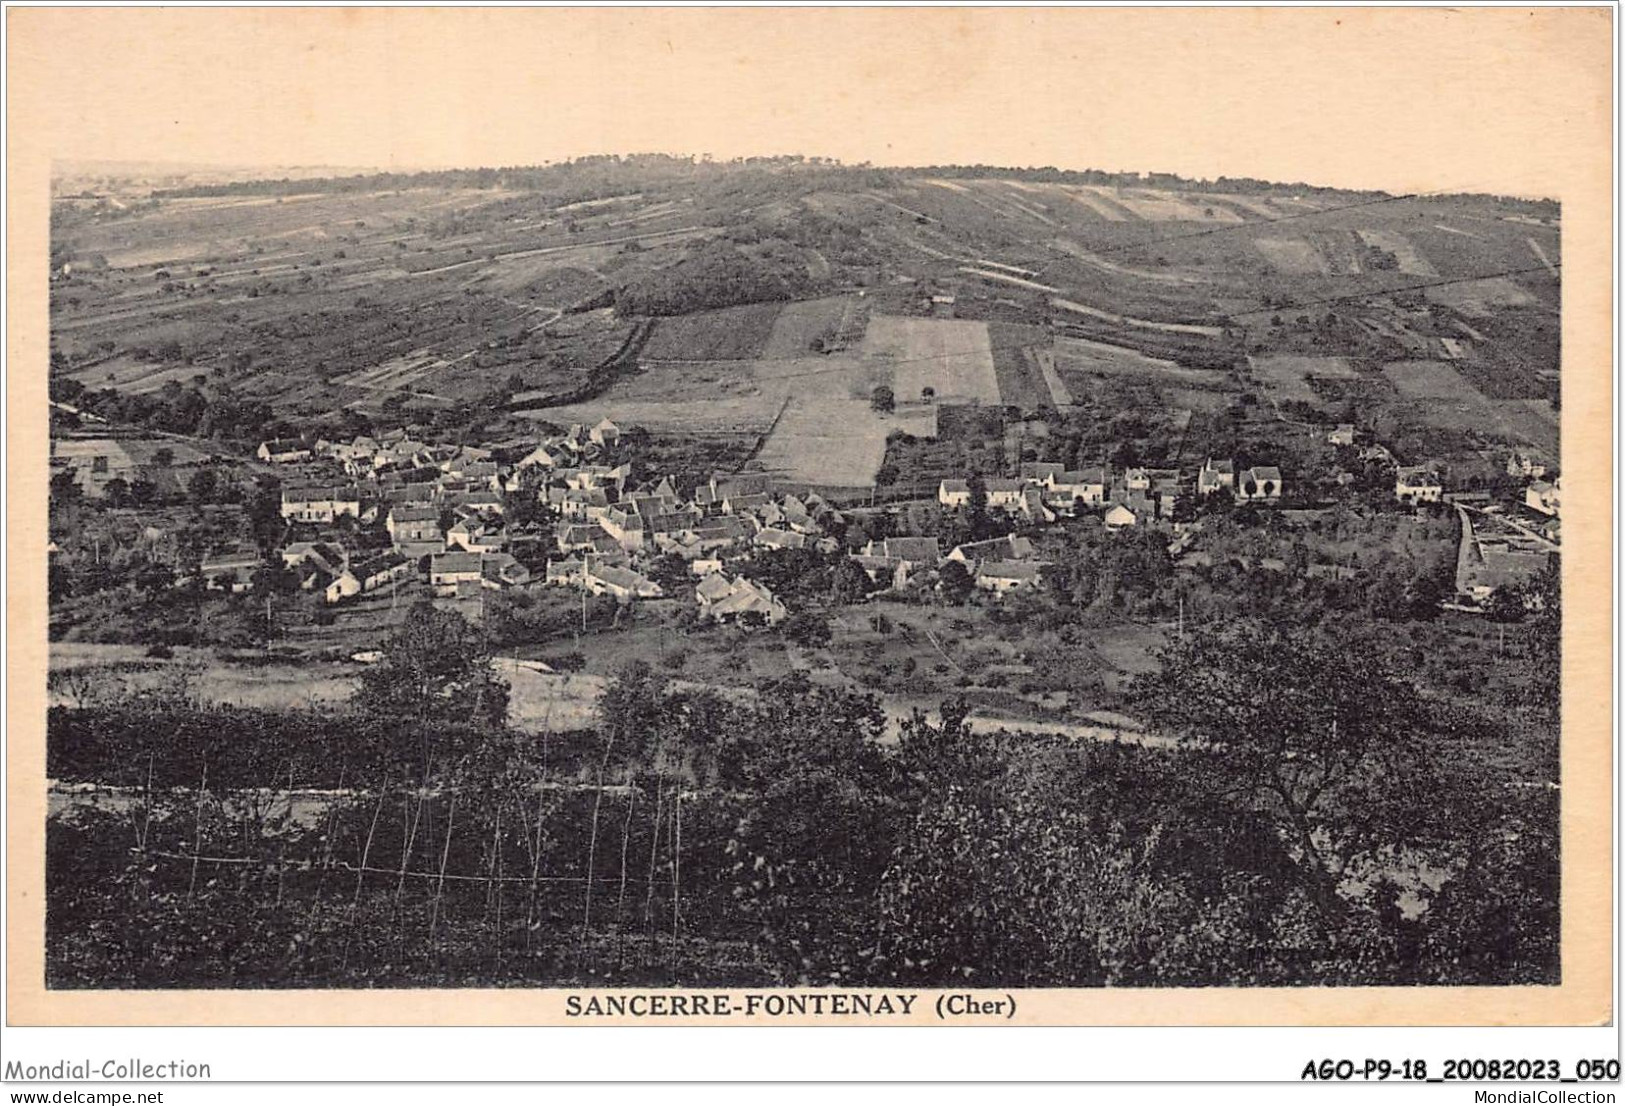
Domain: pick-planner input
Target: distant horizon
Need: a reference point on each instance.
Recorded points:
(337, 171)
(1491, 101)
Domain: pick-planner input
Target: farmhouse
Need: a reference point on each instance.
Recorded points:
(1041, 472)
(1003, 576)
(448, 570)
(913, 553)
(721, 599)
(1088, 484)
(622, 583)
(320, 504)
(774, 538)
(548, 455)
(477, 535)
(341, 587)
(283, 451)
(1004, 494)
(381, 571)
(502, 570)
(1011, 547)
(953, 493)
(1543, 497)
(413, 524)
(1343, 434)
(1119, 517)
(1525, 464)
(1216, 476)
(1261, 483)
(1417, 484)
(565, 573)
(314, 556)
(231, 570)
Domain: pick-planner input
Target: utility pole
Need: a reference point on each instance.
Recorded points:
(1182, 617)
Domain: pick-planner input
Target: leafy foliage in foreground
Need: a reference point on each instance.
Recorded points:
(780, 839)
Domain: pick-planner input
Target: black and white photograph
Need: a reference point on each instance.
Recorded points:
(858, 547)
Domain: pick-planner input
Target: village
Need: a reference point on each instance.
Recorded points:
(576, 510)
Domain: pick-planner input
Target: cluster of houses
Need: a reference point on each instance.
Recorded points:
(445, 510)
(1131, 497)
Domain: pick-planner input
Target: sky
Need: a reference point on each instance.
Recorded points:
(1495, 100)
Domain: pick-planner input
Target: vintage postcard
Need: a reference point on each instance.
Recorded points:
(809, 516)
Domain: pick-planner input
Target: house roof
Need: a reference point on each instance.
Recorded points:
(311, 493)
(454, 563)
(621, 577)
(381, 563)
(912, 549)
(1025, 571)
(408, 512)
(783, 539)
(1095, 475)
(954, 487)
(713, 587)
(1415, 475)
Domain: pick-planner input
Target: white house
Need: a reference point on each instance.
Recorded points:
(1119, 516)
(323, 504)
(1003, 576)
(565, 573)
(1216, 476)
(721, 599)
(231, 571)
(283, 451)
(1261, 483)
(1417, 484)
(1543, 497)
(622, 583)
(1087, 484)
(953, 494)
(1004, 494)
(413, 523)
(448, 570)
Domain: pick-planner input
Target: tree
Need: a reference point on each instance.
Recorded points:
(671, 572)
(65, 488)
(203, 485)
(848, 582)
(808, 629)
(435, 668)
(1314, 731)
(955, 582)
(1505, 605)
(883, 400)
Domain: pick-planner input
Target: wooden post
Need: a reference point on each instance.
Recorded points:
(445, 853)
(197, 848)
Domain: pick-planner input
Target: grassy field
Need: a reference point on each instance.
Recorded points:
(1411, 261)
(1430, 380)
(1287, 375)
(951, 356)
(799, 324)
(833, 440)
(728, 334)
(1019, 354)
(1080, 356)
(1292, 255)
